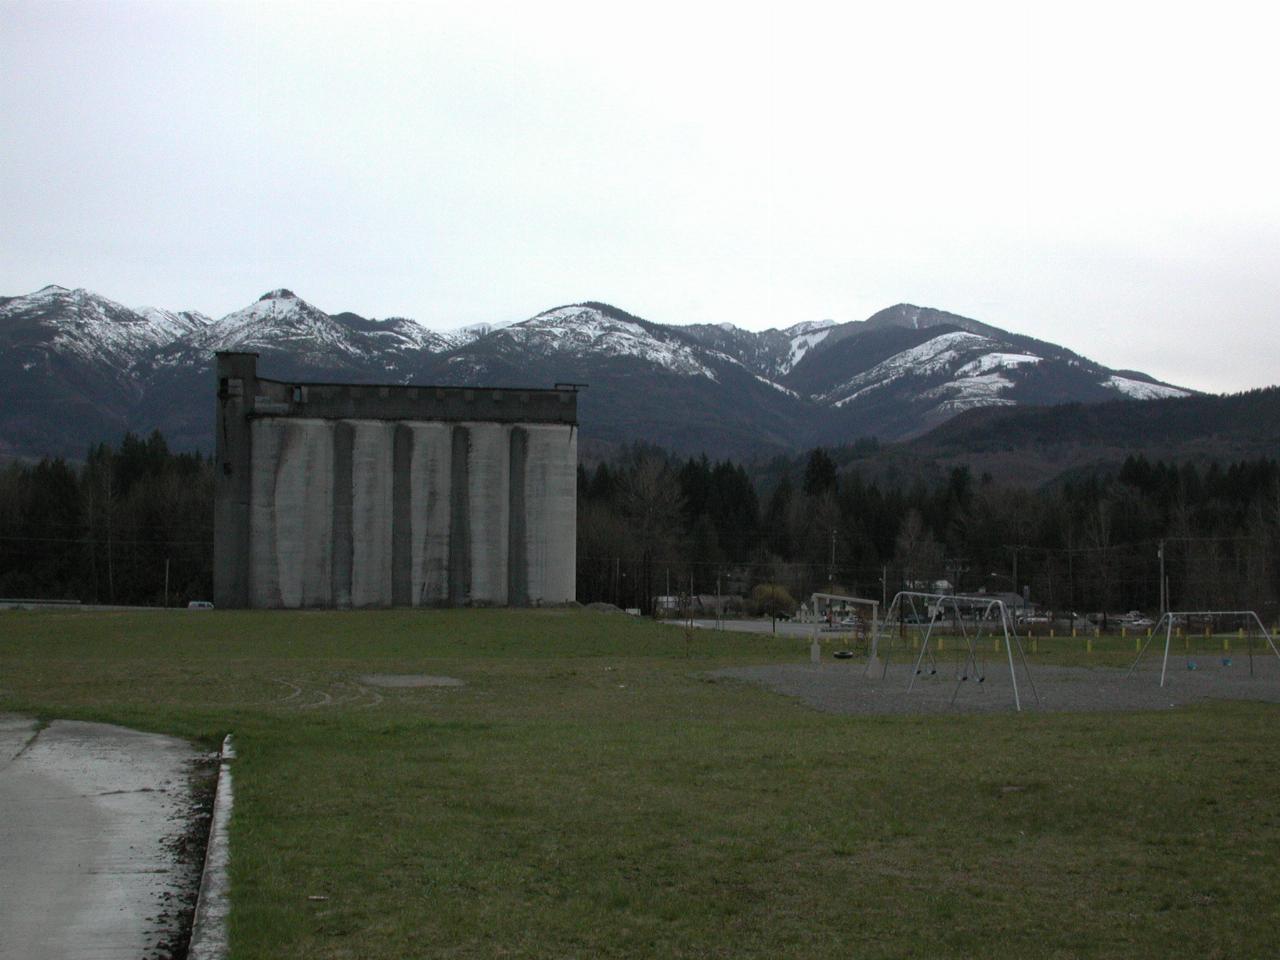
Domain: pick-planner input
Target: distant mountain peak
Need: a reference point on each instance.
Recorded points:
(712, 386)
(807, 326)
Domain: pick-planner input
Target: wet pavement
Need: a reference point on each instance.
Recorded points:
(94, 821)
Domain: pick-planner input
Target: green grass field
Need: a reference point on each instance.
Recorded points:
(588, 793)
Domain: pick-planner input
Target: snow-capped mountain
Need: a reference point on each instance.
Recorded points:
(80, 368)
(772, 353)
(69, 366)
(281, 322)
(603, 331)
(55, 321)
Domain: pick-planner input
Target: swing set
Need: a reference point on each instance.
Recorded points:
(973, 620)
(1168, 621)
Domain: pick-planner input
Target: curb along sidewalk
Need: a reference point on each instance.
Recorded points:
(209, 927)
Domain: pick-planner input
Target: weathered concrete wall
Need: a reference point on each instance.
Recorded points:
(371, 479)
(488, 503)
(381, 510)
(551, 513)
(372, 513)
(291, 514)
(429, 512)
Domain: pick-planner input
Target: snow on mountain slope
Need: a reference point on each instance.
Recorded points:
(584, 329)
(996, 361)
(931, 357)
(396, 334)
(1142, 389)
(804, 337)
(171, 324)
(281, 321)
(979, 383)
(964, 393)
(81, 324)
(893, 375)
(460, 336)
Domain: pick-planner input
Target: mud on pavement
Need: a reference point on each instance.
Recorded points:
(102, 840)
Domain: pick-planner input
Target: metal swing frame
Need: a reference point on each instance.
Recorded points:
(1167, 621)
(959, 604)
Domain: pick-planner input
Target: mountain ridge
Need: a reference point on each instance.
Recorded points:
(713, 387)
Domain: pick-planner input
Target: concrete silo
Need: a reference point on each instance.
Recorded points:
(346, 495)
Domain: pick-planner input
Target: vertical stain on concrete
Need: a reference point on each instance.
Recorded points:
(460, 517)
(429, 512)
(343, 437)
(517, 544)
(264, 584)
(401, 519)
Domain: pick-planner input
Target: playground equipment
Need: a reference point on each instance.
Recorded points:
(970, 616)
(1175, 617)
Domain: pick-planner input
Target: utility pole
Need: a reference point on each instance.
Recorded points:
(831, 570)
(1164, 599)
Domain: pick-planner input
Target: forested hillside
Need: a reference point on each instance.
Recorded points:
(652, 524)
(1252, 415)
(1088, 544)
(103, 531)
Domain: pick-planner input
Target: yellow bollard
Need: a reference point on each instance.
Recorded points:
(995, 644)
(1124, 632)
(1186, 643)
(1073, 633)
(1226, 644)
(1033, 645)
(1240, 633)
(1051, 633)
(1088, 645)
(1137, 644)
(942, 645)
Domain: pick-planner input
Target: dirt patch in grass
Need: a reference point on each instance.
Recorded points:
(398, 680)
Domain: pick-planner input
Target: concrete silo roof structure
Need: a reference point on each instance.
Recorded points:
(352, 495)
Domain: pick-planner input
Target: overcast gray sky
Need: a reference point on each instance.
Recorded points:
(1102, 175)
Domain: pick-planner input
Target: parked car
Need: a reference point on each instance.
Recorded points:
(200, 605)
(1135, 618)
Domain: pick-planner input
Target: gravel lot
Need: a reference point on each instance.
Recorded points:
(840, 687)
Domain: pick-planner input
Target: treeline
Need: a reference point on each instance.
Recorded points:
(106, 530)
(653, 525)
(1212, 419)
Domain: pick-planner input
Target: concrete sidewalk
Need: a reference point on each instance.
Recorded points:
(92, 817)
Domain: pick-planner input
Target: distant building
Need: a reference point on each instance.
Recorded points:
(343, 495)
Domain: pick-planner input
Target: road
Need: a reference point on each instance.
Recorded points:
(90, 816)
